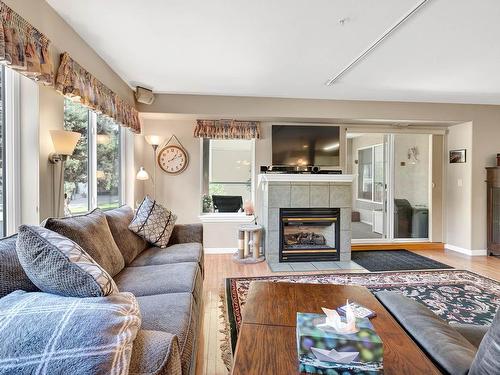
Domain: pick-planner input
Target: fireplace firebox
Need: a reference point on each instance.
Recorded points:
(309, 234)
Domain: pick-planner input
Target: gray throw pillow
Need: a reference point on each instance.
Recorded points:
(58, 265)
(487, 360)
(48, 334)
(129, 243)
(12, 275)
(92, 233)
(153, 222)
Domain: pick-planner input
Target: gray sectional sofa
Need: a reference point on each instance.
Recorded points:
(166, 282)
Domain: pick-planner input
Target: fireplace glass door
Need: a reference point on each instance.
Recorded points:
(309, 234)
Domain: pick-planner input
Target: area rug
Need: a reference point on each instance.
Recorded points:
(394, 260)
(454, 295)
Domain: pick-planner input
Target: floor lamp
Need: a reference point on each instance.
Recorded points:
(64, 145)
(154, 141)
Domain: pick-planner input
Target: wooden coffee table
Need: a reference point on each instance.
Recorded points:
(267, 341)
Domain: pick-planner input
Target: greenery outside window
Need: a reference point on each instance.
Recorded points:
(108, 159)
(76, 171)
(92, 175)
(371, 173)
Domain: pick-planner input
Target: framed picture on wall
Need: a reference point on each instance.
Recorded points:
(457, 156)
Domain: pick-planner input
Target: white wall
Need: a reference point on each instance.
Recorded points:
(411, 181)
(458, 208)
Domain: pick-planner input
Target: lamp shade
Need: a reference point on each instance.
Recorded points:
(64, 141)
(154, 140)
(142, 174)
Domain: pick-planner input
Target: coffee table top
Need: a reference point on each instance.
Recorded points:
(267, 338)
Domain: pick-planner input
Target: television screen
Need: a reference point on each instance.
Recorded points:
(306, 145)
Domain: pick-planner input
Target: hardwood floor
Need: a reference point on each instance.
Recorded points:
(220, 266)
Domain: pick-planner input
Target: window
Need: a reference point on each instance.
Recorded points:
(227, 170)
(2, 155)
(108, 163)
(92, 175)
(371, 173)
(76, 171)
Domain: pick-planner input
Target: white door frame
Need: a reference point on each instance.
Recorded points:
(390, 180)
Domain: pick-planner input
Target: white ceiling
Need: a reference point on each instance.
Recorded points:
(448, 52)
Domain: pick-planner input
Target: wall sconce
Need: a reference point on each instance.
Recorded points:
(142, 175)
(413, 155)
(154, 141)
(64, 143)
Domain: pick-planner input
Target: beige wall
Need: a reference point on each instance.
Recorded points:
(51, 104)
(485, 121)
(459, 189)
(180, 193)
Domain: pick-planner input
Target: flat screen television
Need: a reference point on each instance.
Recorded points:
(306, 145)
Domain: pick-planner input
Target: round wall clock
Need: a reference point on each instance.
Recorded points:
(173, 159)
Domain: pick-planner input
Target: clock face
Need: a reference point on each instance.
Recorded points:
(173, 159)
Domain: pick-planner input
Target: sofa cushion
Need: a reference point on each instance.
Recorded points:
(183, 252)
(160, 279)
(175, 313)
(448, 348)
(155, 353)
(12, 275)
(153, 222)
(92, 233)
(58, 335)
(487, 361)
(129, 243)
(58, 265)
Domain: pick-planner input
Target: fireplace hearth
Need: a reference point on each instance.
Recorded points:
(309, 234)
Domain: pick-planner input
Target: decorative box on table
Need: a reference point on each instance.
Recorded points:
(312, 339)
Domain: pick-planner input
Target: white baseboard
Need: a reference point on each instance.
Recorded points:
(219, 250)
(462, 250)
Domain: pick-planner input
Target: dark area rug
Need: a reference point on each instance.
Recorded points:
(395, 260)
(454, 295)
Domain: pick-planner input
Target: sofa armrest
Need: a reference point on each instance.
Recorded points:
(446, 347)
(472, 332)
(184, 233)
(155, 353)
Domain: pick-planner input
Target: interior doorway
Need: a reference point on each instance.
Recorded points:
(391, 192)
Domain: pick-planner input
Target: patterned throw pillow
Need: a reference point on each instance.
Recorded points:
(153, 222)
(58, 265)
(12, 275)
(48, 334)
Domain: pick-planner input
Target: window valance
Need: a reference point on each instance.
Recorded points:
(76, 83)
(24, 48)
(227, 129)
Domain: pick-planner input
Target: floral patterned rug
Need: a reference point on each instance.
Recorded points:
(454, 295)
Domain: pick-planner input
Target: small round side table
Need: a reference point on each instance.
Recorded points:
(249, 242)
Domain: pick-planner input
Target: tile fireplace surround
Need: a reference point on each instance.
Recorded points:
(303, 191)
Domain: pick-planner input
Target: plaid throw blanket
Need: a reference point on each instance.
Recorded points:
(47, 334)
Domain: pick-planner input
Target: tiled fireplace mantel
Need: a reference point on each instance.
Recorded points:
(304, 191)
(311, 178)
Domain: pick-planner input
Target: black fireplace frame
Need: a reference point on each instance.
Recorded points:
(320, 213)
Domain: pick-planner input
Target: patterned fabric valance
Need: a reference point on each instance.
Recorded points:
(76, 83)
(24, 48)
(227, 129)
